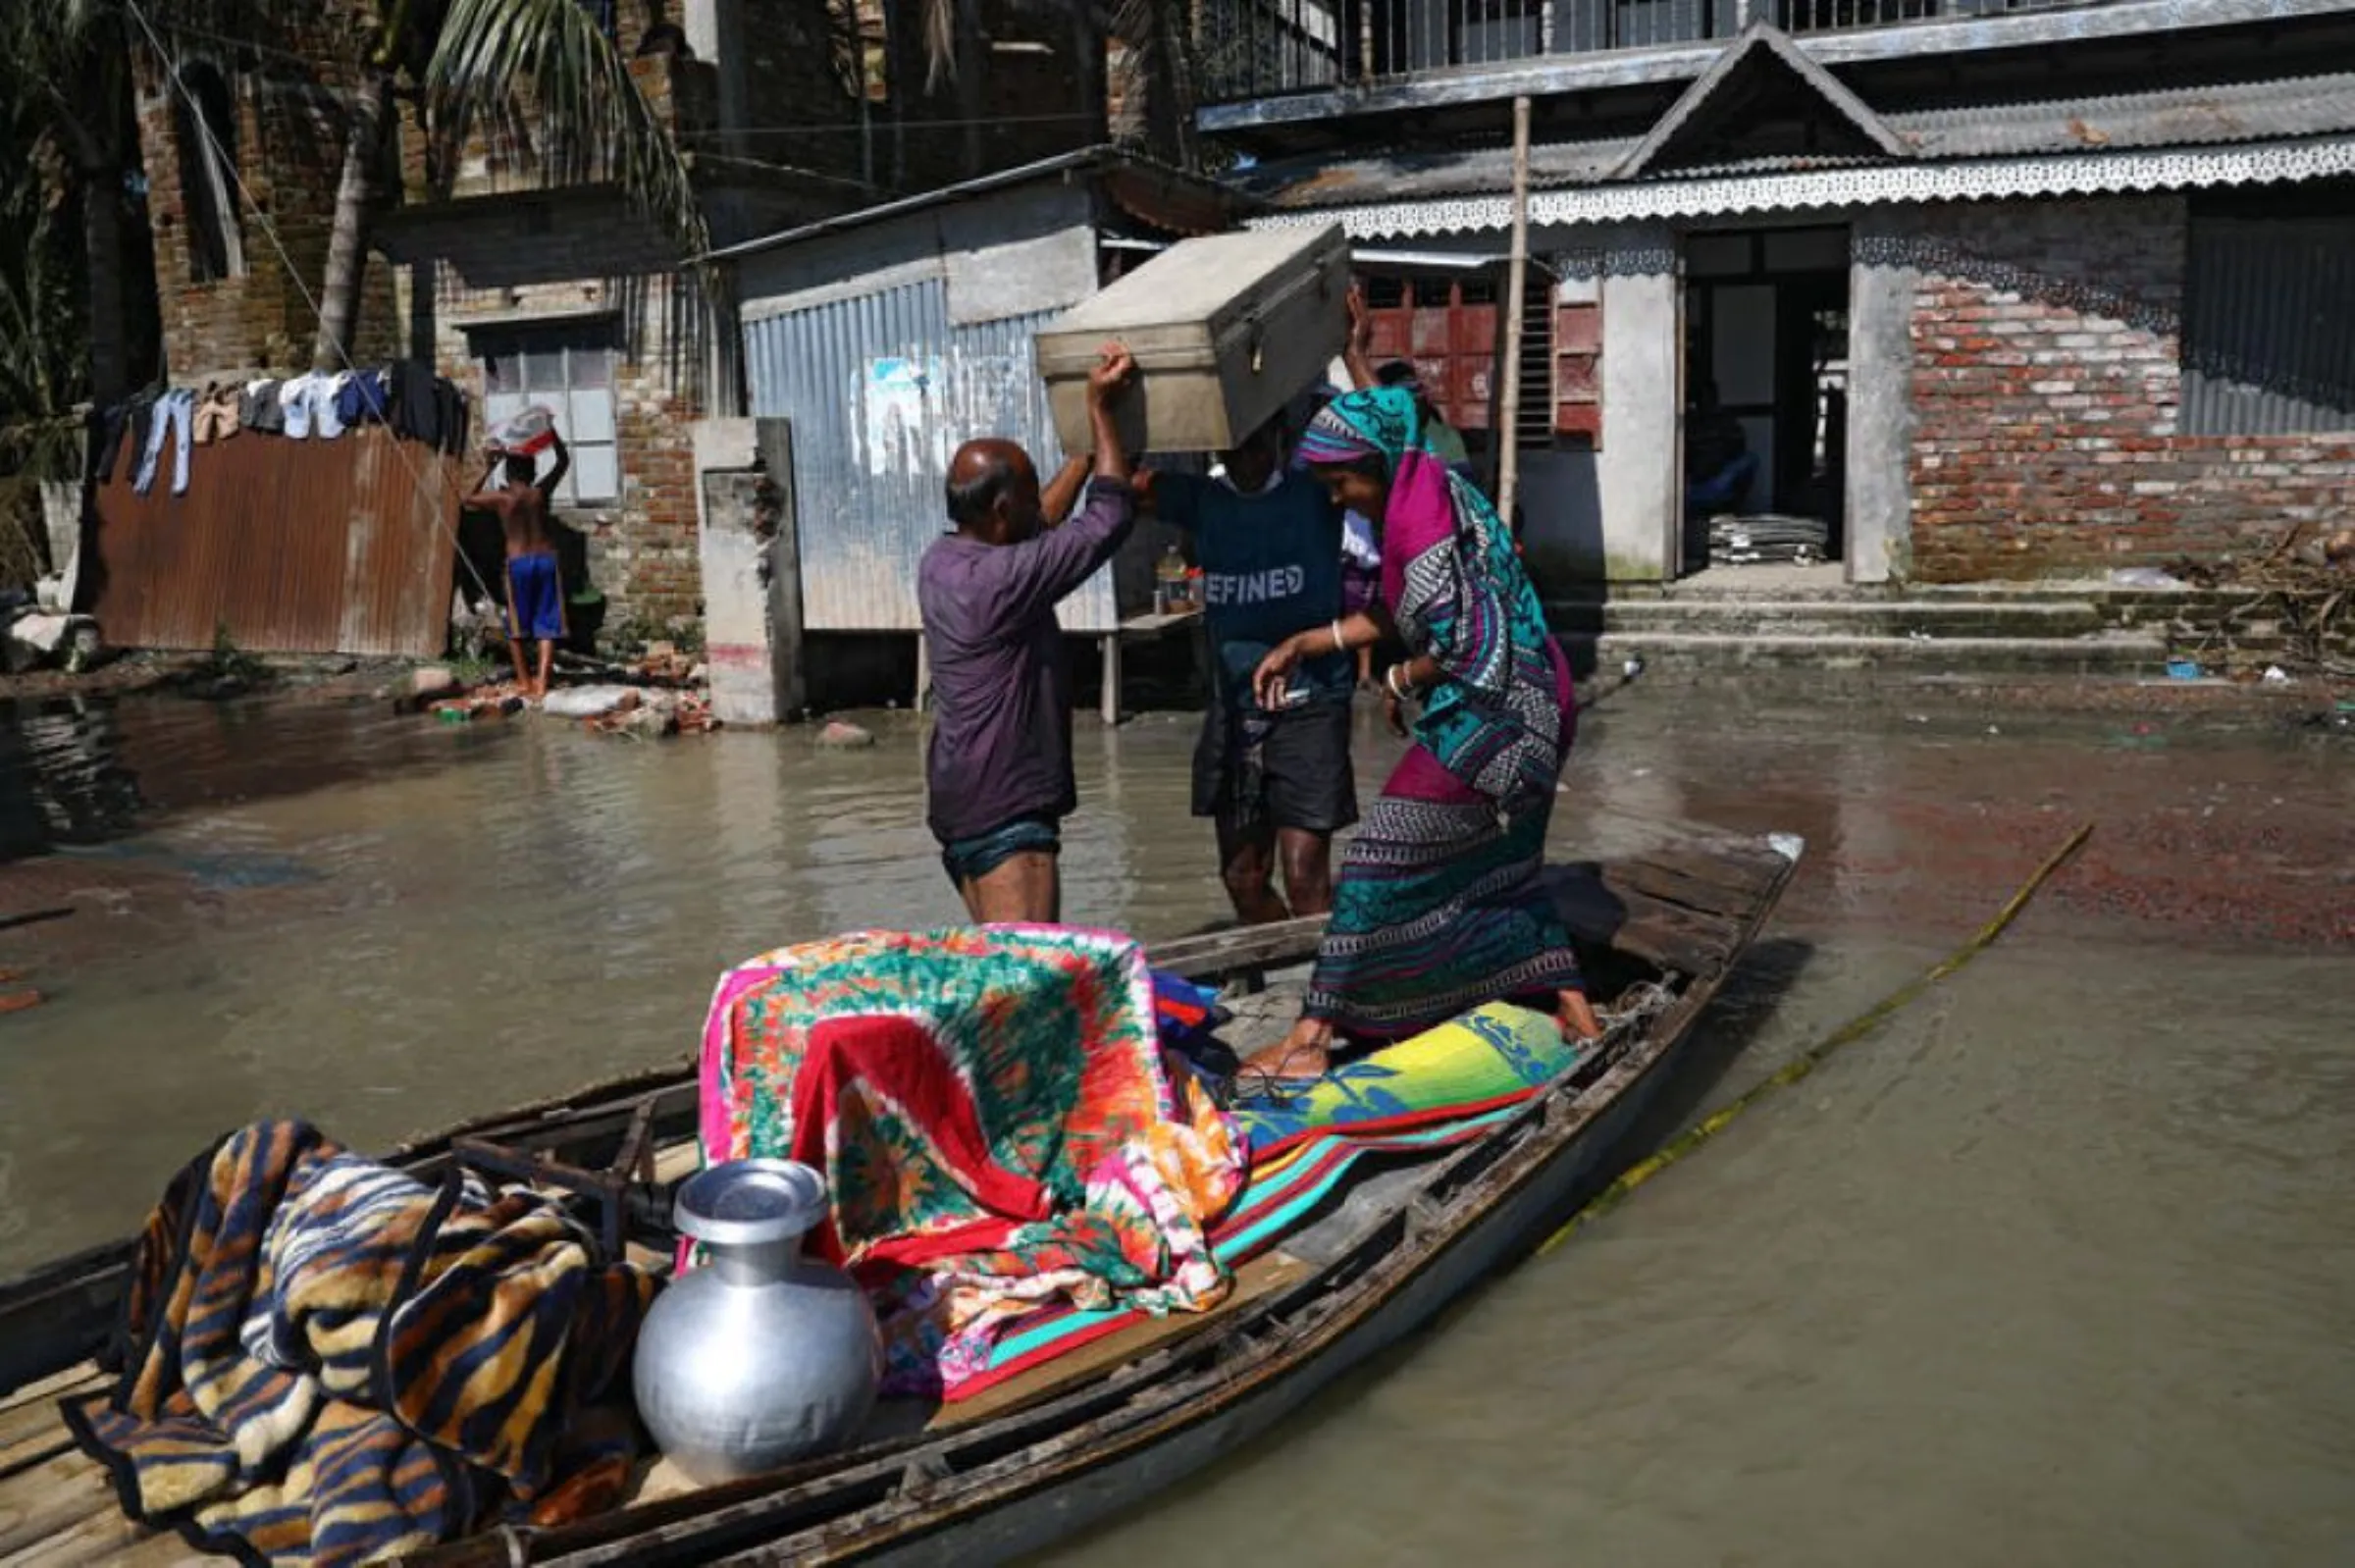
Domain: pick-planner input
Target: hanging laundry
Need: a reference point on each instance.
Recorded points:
(260, 410)
(426, 407)
(108, 429)
(172, 412)
(217, 415)
(360, 397)
(457, 415)
(310, 408)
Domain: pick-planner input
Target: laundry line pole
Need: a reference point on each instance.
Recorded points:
(1508, 433)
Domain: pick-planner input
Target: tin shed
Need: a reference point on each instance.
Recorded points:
(891, 336)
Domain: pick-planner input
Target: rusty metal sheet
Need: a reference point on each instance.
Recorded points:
(882, 388)
(291, 547)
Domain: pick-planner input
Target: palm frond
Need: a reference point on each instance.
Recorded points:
(551, 58)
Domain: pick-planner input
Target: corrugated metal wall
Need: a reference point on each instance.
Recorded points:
(297, 547)
(2269, 325)
(881, 390)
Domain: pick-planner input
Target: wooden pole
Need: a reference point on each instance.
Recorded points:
(1508, 421)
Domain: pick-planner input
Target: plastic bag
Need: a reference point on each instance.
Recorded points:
(526, 434)
(2143, 577)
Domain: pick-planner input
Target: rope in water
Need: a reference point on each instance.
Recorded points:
(1856, 1029)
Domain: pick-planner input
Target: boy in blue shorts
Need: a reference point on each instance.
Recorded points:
(534, 587)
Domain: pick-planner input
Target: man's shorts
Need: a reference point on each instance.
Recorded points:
(969, 860)
(535, 598)
(1303, 779)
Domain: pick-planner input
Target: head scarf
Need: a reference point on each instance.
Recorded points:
(1379, 421)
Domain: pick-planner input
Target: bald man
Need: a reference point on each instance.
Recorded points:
(1000, 764)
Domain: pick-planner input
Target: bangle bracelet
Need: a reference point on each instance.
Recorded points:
(1340, 645)
(1397, 688)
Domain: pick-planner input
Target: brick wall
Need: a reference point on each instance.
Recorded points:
(289, 155)
(2047, 388)
(556, 256)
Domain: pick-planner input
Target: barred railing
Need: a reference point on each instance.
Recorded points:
(1260, 48)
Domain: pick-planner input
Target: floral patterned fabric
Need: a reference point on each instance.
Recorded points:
(993, 1116)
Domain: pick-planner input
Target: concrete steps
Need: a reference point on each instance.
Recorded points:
(2104, 654)
(1831, 619)
(1988, 629)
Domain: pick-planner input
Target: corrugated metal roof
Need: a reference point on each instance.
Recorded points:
(2265, 110)
(1090, 160)
(2258, 111)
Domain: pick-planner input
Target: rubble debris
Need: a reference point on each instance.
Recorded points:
(2304, 588)
(588, 701)
(41, 640)
(843, 737)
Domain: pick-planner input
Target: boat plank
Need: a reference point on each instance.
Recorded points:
(1746, 869)
(1674, 886)
(1219, 953)
(36, 1432)
(51, 1498)
(46, 1392)
(1671, 936)
(105, 1537)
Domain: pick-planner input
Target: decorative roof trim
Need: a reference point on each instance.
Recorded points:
(1758, 43)
(2052, 175)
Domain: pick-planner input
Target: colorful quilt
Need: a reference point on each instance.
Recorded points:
(992, 1114)
(1492, 1055)
(1441, 1090)
(324, 1361)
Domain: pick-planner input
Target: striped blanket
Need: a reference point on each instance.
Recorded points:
(323, 1360)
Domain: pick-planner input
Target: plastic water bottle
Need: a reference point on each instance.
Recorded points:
(1170, 585)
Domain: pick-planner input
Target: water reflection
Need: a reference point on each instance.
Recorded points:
(60, 777)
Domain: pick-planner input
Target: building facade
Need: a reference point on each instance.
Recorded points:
(527, 280)
(1987, 290)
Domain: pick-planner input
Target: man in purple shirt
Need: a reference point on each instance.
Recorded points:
(1000, 764)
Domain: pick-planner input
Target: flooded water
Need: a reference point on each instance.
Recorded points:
(2052, 1269)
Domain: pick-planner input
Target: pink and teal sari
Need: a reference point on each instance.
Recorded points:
(1439, 906)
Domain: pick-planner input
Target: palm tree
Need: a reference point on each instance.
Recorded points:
(485, 59)
(65, 64)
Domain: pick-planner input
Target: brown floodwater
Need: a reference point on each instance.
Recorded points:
(2052, 1269)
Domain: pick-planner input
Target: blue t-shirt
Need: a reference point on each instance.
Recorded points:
(1271, 566)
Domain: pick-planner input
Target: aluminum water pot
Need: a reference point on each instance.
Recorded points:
(762, 1356)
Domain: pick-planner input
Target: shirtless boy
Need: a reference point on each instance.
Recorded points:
(535, 591)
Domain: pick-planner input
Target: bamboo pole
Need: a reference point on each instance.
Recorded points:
(1806, 1062)
(1508, 420)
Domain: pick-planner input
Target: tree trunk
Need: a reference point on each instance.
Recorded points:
(355, 200)
(102, 239)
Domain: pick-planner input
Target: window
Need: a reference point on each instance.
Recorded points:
(568, 368)
(209, 165)
(2269, 317)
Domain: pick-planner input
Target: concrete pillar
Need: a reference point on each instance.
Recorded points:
(750, 570)
(1639, 467)
(1881, 287)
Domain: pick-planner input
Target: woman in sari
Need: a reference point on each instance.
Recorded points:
(1439, 907)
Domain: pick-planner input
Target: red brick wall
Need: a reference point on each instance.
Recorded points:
(555, 255)
(2046, 394)
(290, 156)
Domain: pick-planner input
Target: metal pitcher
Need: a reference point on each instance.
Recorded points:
(762, 1356)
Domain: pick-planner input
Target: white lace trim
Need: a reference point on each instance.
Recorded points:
(2051, 175)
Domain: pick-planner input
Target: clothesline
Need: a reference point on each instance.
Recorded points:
(405, 395)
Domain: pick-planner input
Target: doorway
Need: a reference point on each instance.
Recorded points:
(1766, 420)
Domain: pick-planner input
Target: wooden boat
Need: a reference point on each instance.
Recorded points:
(1080, 1438)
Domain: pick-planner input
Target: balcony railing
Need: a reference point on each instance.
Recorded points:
(1261, 48)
